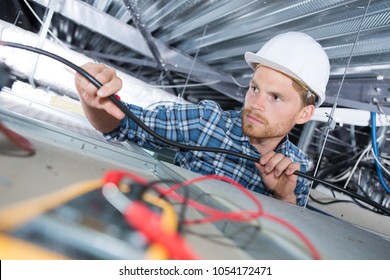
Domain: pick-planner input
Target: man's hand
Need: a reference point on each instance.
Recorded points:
(277, 170)
(101, 112)
(95, 98)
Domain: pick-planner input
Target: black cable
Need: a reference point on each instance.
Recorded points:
(354, 195)
(333, 201)
(123, 107)
(353, 201)
(130, 114)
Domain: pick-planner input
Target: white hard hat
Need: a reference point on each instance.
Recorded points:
(297, 55)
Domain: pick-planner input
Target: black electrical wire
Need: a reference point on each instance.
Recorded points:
(353, 201)
(123, 107)
(333, 201)
(130, 114)
(353, 195)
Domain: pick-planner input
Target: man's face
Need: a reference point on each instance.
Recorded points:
(272, 105)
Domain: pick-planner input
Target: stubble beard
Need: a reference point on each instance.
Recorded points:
(262, 130)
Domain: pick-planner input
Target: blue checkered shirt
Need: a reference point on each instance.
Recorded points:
(206, 124)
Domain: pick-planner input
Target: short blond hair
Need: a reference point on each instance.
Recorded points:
(307, 95)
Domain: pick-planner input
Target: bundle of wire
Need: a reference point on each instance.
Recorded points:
(212, 214)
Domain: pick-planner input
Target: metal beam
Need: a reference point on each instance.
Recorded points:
(371, 95)
(139, 23)
(120, 32)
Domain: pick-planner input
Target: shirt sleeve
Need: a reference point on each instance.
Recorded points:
(181, 123)
(302, 188)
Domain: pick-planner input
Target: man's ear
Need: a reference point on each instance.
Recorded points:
(305, 114)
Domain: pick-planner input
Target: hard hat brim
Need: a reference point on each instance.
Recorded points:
(253, 60)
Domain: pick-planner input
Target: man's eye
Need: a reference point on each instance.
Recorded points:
(254, 89)
(276, 97)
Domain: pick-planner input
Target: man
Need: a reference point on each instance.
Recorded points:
(291, 72)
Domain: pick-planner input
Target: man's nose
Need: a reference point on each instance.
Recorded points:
(258, 102)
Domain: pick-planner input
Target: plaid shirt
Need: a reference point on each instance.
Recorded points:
(206, 124)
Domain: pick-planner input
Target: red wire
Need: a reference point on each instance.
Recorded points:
(316, 255)
(137, 213)
(217, 217)
(177, 247)
(214, 214)
(237, 216)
